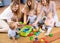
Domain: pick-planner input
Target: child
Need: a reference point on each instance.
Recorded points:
(12, 32)
(49, 24)
(32, 18)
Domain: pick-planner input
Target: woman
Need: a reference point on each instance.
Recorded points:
(46, 7)
(8, 14)
(28, 6)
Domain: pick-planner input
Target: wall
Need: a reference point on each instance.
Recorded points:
(6, 2)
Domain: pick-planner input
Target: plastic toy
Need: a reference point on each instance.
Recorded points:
(41, 40)
(25, 30)
(49, 39)
(36, 38)
(51, 35)
(21, 22)
(24, 23)
(37, 33)
(31, 38)
(34, 30)
(34, 33)
(31, 34)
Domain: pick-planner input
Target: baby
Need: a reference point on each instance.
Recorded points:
(49, 24)
(32, 18)
(12, 32)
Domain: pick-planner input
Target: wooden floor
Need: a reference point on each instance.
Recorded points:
(5, 39)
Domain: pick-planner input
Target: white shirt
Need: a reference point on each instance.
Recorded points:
(50, 22)
(7, 14)
(11, 33)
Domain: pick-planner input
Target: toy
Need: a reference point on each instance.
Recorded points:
(34, 30)
(49, 39)
(37, 33)
(21, 22)
(36, 38)
(51, 35)
(41, 40)
(31, 34)
(34, 33)
(31, 38)
(24, 23)
(24, 31)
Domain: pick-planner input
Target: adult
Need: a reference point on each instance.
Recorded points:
(8, 14)
(46, 7)
(28, 6)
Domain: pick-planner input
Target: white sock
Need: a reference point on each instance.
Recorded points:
(43, 27)
(48, 31)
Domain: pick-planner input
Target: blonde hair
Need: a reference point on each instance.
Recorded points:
(47, 1)
(17, 13)
(12, 25)
(32, 3)
(15, 1)
(32, 10)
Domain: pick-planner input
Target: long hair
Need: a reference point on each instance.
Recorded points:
(47, 1)
(14, 3)
(32, 4)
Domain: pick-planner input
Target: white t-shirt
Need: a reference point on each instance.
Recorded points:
(11, 33)
(7, 14)
(50, 22)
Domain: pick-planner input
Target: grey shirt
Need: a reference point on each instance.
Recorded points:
(32, 19)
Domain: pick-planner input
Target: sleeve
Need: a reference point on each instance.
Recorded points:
(9, 20)
(54, 8)
(9, 16)
(54, 12)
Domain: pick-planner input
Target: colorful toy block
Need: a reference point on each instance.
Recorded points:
(21, 22)
(25, 30)
(36, 38)
(41, 40)
(31, 34)
(51, 35)
(31, 38)
(49, 39)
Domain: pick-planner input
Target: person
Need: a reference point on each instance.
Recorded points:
(31, 19)
(12, 32)
(49, 24)
(46, 7)
(27, 7)
(7, 15)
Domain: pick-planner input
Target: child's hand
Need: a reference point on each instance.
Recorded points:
(17, 31)
(34, 24)
(46, 23)
(17, 22)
